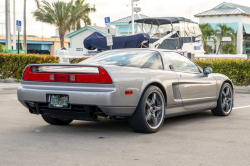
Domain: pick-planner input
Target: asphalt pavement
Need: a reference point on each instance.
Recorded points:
(198, 139)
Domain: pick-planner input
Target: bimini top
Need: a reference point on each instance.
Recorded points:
(163, 20)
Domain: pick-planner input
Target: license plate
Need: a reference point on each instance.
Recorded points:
(60, 101)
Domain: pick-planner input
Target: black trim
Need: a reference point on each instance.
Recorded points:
(74, 111)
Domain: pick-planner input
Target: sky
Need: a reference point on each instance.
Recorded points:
(115, 9)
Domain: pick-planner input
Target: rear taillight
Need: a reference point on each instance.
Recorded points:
(31, 74)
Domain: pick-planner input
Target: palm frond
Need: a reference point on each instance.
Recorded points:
(37, 3)
(81, 10)
(59, 13)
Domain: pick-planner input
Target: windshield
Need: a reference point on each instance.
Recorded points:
(142, 59)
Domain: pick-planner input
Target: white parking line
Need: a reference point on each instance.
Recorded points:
(241, 107)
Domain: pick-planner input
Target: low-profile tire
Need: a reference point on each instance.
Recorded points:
(56, 121)
(225, 101)
(150, 112)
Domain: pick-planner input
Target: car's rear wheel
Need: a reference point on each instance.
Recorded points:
(56, 121)
(225, 101)
(150, 112)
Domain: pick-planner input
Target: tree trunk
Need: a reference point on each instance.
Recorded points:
(24, 28)
(219, 46)
(208, 52)
(78, 25)
(205, 46)
(62, 39)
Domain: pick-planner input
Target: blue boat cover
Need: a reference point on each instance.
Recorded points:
(98, 41)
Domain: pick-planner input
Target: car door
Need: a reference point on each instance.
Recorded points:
(197, 91)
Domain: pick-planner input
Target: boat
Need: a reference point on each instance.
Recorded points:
(171, 33)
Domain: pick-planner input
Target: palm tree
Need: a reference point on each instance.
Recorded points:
(225, 32)
(207, 34)
(84, 15)
(59, 14)
(24, 25)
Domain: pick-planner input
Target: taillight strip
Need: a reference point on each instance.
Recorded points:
(102, 77)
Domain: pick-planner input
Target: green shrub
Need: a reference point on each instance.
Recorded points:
(76, 60)
(229, 48)
(5, 49)
(13, 65)
(1, 48)
(236, 69)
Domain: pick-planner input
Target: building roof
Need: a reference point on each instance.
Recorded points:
(226, 8)
(101, 30)
(129, 18)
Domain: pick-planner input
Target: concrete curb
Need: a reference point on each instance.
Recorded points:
(8, 80)
(9, 86)
(242, 89)
(2, 89)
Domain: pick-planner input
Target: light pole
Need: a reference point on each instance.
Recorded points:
(14, 25)
(7, 24)
(133, 19)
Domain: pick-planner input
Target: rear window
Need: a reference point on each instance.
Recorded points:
(142, 59)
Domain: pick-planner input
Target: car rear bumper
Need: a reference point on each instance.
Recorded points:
(105, 99)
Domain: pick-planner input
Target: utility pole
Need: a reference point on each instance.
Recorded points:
(14, 25)
(133, 19)
(6, 20)
(7, 23)
(24, 28)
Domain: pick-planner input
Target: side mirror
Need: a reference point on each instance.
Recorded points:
(207, 70)
(171, 67)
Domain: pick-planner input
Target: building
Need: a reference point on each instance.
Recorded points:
(39, 45)
(234, 16)
(76, 38)
(122, 26)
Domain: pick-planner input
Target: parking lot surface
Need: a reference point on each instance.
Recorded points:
(196, 139)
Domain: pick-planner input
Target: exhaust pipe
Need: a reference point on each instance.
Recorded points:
(99, 118)
(31, 111)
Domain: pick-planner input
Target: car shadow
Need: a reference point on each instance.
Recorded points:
(121, 128)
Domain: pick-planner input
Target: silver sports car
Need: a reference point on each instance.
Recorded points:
(142, 85)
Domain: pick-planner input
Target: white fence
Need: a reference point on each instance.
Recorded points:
(220, 56)
(70, 53)
(74, 51)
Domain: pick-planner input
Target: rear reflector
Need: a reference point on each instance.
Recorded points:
(72, 78)
(52, 77)
(32, 74)
(128, 92)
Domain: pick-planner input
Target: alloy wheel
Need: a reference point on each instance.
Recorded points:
(154, 109)
(227, 99)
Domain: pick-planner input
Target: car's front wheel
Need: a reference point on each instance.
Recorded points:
(150, 112)
(225, 101)
(56, 121)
